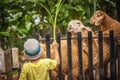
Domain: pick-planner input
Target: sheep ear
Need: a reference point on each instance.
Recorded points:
(101, 12)
(84, 29)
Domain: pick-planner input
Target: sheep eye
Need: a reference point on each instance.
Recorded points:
(98, 15)
(78, 23)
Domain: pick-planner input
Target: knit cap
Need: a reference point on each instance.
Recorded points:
(32, 49)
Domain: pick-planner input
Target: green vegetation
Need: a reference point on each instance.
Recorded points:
(21, 19)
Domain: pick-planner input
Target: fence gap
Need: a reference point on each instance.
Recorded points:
(79, 38)
(101, 64)
(112, 56)
(69, 56)
(90, 59)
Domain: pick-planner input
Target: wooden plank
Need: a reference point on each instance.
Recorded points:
(2, 60)
(91, 77)
(69, 56)
(112, 56)
(15, 59)
(79, 37)
(101, 64)
(8, 64)
(59, 49)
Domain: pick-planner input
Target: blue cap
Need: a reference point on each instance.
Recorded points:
(32, 49)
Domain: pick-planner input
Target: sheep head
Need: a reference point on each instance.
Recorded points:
(76, 26)
(97, 17)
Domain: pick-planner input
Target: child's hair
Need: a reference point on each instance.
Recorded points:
(32, 49)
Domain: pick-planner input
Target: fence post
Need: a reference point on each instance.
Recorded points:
(118, 45)
(0, 74)
(69, 56)
(59, 49)
(48, 49)
(8, 64)
(48, 45)
(112, 56)
(79, 38)
(101, 65)
(90, 59)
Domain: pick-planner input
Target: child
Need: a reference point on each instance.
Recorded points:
(36, 68)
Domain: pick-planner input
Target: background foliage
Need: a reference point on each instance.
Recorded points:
(20, 19)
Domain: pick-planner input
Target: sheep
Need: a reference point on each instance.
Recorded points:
(77, 26)
(74, 61)
(106, 23)
(64, 56)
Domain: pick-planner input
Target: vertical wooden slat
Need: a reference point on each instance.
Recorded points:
(48, 49)
(117, 2)
(118, 57)
(79, 38)
(69, 56)
(112, 56)
(118, 45)
(48, 45)
(90, 56)
(101, 65)
(0, 73)
(59, 49)
(8, 64)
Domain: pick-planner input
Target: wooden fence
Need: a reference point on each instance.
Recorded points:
(114, 50)
(9, 61)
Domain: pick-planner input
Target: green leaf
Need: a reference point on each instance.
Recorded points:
(5, 33)
(28, 25)
(22, 31)
(35, 1)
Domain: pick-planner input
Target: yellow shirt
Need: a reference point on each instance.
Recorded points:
(37, 71)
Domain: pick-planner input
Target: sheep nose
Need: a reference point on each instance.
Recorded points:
(70, 27)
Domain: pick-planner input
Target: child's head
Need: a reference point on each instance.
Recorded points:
(32, 49)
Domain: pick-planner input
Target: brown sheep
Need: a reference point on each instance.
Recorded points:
(77, 26)
(74, 61)
(64, 56)
(106, 22)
